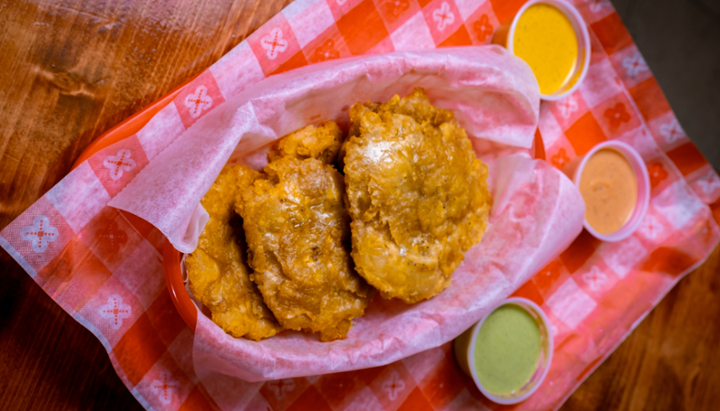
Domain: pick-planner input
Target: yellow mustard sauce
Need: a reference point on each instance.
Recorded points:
(609, 187)
(545, 39)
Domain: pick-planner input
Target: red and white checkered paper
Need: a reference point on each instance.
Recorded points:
(536, 214)
(84, 254)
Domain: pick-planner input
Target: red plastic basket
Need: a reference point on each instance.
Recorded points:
(173, 274)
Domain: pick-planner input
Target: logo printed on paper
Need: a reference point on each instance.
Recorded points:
(597, 5)
(119, 163)
(709, 184)
(634, 65)
(650, 227)
(671, 131)
(545, 278)
(595, 278)
(617, 115)
(198, 101)
(164, 389)
(708, 231)
(115, 311)
(483, 28)
(327, 51)
(568, 106)
(443, 16)
(113, 236)
(274, 43)
(560, 159)
(40, 233)
(657, 174)
(394, 385)
(280, 387)
(396, 7)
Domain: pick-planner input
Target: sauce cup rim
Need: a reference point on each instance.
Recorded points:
(643, 186)
(545, 330)
(583, 43)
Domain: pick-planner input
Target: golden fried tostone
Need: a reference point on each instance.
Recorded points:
(322, 143)
(216, 272)
(298, 233)
(417, 195)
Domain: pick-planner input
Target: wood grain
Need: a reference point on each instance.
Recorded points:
(70, 70)
(670, 361)
(73, 69)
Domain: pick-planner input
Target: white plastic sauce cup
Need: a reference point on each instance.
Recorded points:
(575, 168)
(464, 347)
(505, 36)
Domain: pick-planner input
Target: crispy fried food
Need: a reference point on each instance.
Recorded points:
(417, 195)
(322, 143)
(298, 234)
(216, 272)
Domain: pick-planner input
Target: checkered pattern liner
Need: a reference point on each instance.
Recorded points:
(105, 268)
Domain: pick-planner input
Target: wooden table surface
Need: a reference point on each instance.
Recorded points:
(71, 69)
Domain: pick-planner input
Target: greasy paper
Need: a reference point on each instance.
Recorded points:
(537, 213)
(493, 94)
(537, 210)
